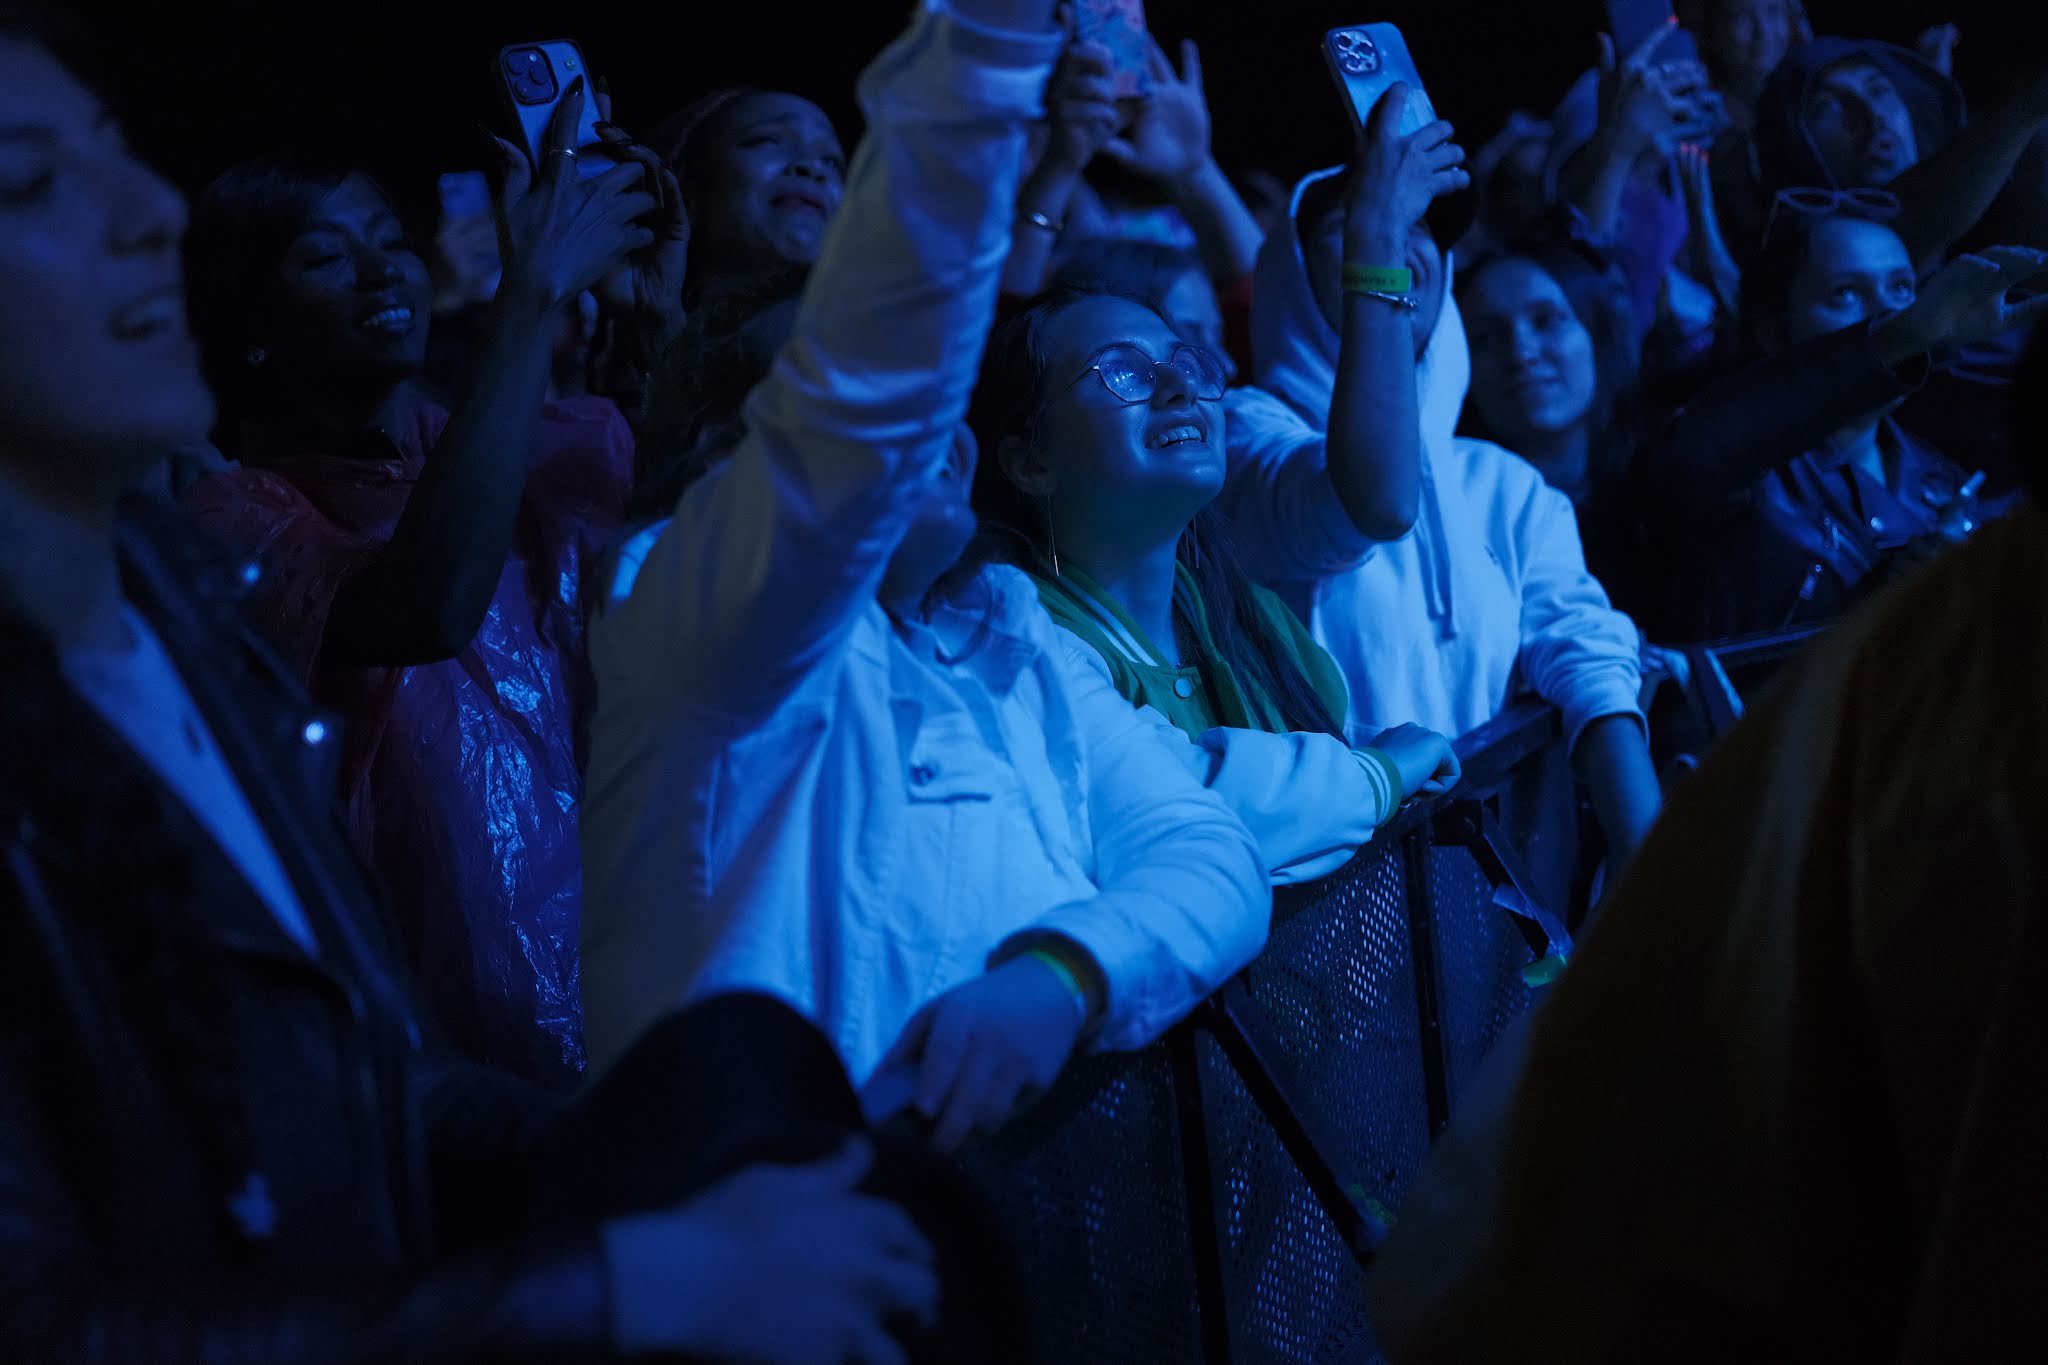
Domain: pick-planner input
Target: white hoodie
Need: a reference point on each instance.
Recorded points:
(1487, 595)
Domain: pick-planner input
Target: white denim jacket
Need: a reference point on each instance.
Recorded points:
(788, 791)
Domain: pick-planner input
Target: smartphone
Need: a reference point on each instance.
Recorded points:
(1633, 21)
(534, 77)
(1118, 25)
(1365, 60)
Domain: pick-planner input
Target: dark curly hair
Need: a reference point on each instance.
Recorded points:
(697, 390)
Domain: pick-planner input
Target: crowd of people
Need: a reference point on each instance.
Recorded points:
(555, 764)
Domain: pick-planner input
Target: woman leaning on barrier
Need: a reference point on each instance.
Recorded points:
(1103, 436)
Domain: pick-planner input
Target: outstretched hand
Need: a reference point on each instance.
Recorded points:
(1969, 300)
(1169, 135)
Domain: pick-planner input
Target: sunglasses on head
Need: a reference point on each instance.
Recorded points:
(1133, 376)
(1811, 201)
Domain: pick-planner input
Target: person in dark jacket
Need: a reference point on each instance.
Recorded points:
(224, 1135)
(1843, 114)
(1788, 1102)
(1785, 492)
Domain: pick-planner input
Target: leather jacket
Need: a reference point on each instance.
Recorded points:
(1755, 522)
(214, 1146)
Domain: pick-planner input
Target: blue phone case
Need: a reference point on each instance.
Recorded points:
(1365, 60)
(564, 63)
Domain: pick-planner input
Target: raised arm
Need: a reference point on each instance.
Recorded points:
(1169, 143)
(1641, 112)
(1754, 421)
(1944, 195)
(1081, 116)
(1748, 424)
(424, 594)
(770, 557)
(1374, 446)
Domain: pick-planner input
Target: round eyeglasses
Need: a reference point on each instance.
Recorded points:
(1133, 377)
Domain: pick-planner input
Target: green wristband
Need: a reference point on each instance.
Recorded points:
(1378, 279)
(1066, 976)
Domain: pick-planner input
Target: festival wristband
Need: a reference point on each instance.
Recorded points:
(1376, 280)
(1066, 978)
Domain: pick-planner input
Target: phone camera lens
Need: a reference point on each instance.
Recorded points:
(529, 75)
(1358, 54)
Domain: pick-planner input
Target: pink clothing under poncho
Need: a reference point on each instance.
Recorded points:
(462, 777)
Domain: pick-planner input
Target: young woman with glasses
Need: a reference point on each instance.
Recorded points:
(1102, 435)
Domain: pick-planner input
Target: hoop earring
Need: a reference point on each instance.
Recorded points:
(1052, 542)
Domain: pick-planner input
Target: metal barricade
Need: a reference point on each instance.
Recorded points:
(1216, 1196)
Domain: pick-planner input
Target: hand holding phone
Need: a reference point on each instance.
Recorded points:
(536, 77)
(1650, 105)
(1405, 157)
(1367, 60)
(563, 227)
(1118, 25)
(1652, 50)
(1081, 108)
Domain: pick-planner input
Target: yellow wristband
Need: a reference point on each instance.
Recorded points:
(1378, 279)
(1066, 977)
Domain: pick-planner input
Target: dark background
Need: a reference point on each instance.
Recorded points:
(400, 87)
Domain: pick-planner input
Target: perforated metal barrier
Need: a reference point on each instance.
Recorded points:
(1216, 1196)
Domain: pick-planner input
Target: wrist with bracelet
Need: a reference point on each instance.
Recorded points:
(1389, 284)
(1066, 978)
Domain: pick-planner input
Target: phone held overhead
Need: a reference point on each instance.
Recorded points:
(535, 78)
(1118, 25)
(1366, 60)
(1632, 23)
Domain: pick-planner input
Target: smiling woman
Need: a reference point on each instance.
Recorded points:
(1102, 436)
(434, 600)
(1554, 363)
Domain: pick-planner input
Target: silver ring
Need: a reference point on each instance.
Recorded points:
(569, 152)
